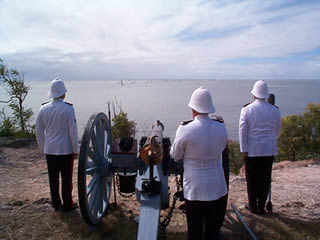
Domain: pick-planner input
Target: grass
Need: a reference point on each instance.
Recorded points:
(277, 227)
(28, 220)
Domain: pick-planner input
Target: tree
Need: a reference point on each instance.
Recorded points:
(300, 135)
(13, 82)
(291, 142)
(312, 127)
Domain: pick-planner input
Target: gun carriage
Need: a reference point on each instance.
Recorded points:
(144, 172)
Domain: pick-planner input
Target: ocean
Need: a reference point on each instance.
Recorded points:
(146, 101)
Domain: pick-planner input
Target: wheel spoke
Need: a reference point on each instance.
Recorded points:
(93, 196)
(100, 137)
(107, 143)
(94, 156)
(102, 199)
(95, 144)
(90, 163)
(91, 171)
(97, 199)
(108, 150)
(108, 186)
(109, 177)
(92, 184)
(103, 188)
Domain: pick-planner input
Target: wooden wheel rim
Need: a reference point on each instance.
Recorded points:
(94, 170)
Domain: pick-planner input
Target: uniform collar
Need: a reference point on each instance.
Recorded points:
(57, 100)
(260, 100)
(198, 117)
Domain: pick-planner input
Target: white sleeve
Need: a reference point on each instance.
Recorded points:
(278, 130)
(226, 135)
(73, 131)
(177, 148)
(40, 132)
(243, 131)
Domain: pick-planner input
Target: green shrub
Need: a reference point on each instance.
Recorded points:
(235, 157)
(7, 128)
(24, 134)
(122, 127)
(300, 135)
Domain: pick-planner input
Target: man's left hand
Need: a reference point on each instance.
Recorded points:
(244, 156)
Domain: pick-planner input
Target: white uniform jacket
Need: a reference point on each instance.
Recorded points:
(200, 144)
(259, 128)
(56, 128)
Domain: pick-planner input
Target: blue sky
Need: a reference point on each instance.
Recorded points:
(172, 39)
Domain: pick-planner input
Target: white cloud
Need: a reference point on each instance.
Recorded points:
(150, 39)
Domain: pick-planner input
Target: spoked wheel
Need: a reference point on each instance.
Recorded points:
(94, 170)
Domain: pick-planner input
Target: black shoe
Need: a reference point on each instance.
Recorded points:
(250, 209)
(74, 207)
(269, 206)
(182, 207)
(56, 209)
(261, 211)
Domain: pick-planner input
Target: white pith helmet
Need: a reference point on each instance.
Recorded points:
(260, 89)
(201, 101)
(57, 88)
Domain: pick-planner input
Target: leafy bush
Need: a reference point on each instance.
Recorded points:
(122, 127)
(292, 140)
(235, 157)
(312, 127)
(300, 135)
(24, 134)
(6, 128)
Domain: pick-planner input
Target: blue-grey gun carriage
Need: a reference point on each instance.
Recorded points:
(101, 158)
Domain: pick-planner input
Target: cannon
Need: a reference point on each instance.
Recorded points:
(144, 172)
(100, 158)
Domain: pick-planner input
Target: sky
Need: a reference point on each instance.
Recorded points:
(161, 39)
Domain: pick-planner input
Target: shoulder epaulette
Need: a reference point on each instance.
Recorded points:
(246, 104)
(44, 103)
(186, 122)
(69, 103)
(217, 118)
(273, 105)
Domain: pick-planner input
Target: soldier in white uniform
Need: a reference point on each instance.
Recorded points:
(199, 144)
(57, 137)
(259, 128)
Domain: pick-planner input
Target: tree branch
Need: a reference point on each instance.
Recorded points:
(6, 101)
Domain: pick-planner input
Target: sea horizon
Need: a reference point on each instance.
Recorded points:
(146, 101)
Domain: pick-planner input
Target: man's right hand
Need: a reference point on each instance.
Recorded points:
(75, 155)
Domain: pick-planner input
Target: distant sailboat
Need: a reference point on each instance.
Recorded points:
(121, 82)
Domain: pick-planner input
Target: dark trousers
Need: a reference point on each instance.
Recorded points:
(60, 164)
(207, 216)
(258, 176)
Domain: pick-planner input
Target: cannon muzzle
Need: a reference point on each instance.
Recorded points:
(152, 151)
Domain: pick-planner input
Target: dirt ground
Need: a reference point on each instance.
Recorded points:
(24, 194)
